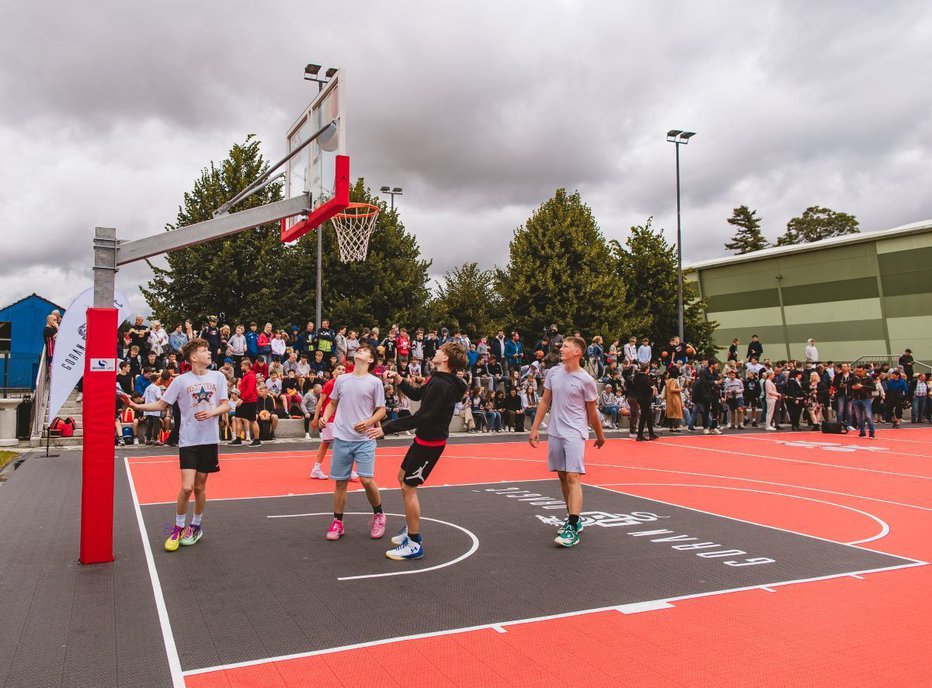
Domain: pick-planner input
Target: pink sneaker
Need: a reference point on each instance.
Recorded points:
(336, 530)
(377, 523)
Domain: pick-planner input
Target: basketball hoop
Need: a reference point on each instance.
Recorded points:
(354, 226)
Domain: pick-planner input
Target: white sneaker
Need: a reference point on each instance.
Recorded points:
(354, 476)
(135, 440)
(543, 426)
(851, 428)
(770, 427)
(716, 431)
(401, 537)
(706, 432)
(307, 435)
(409, 549)
(80, 397)
(317, 473)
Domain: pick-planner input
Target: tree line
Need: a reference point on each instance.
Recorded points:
(561, 270)
(814, 224)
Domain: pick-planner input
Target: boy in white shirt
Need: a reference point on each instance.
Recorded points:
(154, 418)
(570, 394)
(202, 396)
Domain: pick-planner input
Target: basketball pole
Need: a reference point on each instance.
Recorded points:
(99, 452)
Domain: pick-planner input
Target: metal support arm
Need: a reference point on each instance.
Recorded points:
(224, 225)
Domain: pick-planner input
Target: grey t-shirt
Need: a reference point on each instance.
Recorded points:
(570, 393)
(359, 397)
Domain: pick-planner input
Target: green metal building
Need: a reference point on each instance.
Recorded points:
(857, 295)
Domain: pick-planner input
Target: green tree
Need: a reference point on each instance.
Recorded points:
(647, 264)
(390, 286)
(240, 275)
(467, 299)
(252, 275)
(817, 223)
(748, 236)
(561, 271)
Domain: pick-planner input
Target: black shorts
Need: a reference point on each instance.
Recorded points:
(246, 410)
(202, 458)
(420, 461)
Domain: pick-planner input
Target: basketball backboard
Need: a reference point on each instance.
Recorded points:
(314, 169)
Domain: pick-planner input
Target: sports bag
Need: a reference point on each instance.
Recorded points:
(65, 427)
(833, 427)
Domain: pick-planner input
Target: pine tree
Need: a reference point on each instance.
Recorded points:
(561, 271)
(252, 275)
(467, 300)
(239, 276)
(647, 264)
(748, 236)
(817, 223)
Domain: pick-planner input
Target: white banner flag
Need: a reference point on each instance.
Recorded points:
(68, 359)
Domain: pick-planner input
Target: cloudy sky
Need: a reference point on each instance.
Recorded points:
(109, 110)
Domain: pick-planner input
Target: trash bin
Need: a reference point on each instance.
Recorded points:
(24, 419)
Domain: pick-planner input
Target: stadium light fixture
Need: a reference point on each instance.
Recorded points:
(395, 191)
(679, 137)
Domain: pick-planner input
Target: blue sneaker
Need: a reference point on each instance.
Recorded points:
(409, 549)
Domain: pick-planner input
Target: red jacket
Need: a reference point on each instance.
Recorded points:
(247, 388)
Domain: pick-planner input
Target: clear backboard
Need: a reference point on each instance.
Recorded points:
(315, 170)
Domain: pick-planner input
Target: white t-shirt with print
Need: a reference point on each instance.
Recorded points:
(359, 396)
(197, 393)
(570, 392)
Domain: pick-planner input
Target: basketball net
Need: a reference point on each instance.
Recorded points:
(354, 227)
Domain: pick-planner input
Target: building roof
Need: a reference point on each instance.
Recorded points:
(914, 228)
(51, 303)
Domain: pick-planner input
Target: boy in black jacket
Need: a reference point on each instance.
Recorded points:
(438, 396)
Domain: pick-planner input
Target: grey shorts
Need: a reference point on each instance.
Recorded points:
(566, 455)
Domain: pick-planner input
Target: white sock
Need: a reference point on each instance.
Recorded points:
(179, 520)
(196, 519)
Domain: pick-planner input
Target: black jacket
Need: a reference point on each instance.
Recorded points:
(642, 385)
(438, 396)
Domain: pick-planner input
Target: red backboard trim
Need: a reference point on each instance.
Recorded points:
(325, 211)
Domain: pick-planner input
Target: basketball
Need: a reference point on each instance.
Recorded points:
(690, 351)
(664, 354)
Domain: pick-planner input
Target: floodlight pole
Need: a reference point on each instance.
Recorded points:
(99, 454)
(678, 138)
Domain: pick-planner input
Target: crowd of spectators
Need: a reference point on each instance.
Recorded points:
(285, 370)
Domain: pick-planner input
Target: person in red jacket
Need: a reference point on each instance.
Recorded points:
(246, 411)
(260, 367)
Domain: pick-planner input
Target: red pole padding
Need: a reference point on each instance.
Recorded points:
(99, 431)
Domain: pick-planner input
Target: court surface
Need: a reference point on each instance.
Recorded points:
(752, 559)
(765, 559)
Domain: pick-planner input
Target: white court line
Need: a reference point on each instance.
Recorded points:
(915, 562)
(884, 527)
(174, 663)
(811, 463)
(879, 454)
(264, 456)
(659, 603)
(360, 489)
(403, 572)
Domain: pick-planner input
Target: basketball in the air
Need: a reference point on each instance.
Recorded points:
(690, 351)
(664, 354)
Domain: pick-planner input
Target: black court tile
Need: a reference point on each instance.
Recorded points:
(263, 582)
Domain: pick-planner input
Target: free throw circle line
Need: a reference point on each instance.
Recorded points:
(466, 555)
(884, 527)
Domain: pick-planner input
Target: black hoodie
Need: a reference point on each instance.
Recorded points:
(438, 396)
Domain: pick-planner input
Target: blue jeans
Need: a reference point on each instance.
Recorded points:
(494, 420)
(703, 411)
(845, 410)
(864, 414)
(612, 412)
(919, 408)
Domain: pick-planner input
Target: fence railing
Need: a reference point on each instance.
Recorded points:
(918, 366)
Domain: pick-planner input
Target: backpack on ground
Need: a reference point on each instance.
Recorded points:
(833, 427)
(63, 427)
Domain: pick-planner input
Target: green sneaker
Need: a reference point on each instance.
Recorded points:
(568, 536)
(191, 535)
(579, 527)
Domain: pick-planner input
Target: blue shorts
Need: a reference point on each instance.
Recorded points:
(345, 453)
